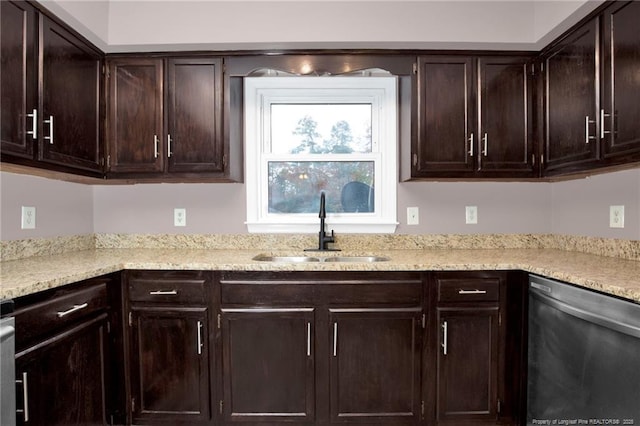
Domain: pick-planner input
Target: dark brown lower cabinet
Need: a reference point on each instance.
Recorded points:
(169, 347)
(375, 365)
(468, 364)
(268, 357)
(477, 348)
(169, 358)
(322, 348)
(61, 380)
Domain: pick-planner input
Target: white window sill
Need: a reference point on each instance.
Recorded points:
(314, 228)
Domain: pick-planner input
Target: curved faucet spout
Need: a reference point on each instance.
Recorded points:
(323, 238)
(323, 212)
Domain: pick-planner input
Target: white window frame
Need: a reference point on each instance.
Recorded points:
(380, 92)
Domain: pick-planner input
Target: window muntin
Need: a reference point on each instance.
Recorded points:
(306, 135)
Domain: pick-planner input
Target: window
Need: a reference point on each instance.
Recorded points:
(307, 135)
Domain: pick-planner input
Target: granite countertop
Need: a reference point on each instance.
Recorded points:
(616, 276)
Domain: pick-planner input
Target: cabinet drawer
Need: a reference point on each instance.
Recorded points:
(167, 290)
(468, 290)
(41, 318)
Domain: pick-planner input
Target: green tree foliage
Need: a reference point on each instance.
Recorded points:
(294, 187)
(307, 129)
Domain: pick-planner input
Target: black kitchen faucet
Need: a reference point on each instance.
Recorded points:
(323, 238)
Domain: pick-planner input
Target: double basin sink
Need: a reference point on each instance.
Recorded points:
(312, 259)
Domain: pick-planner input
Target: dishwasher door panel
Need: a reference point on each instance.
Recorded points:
(7, 373)
(580, 369)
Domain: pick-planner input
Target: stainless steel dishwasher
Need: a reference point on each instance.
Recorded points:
(7, 365)
(583, 356)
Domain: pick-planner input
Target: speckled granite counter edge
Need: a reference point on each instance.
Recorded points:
(610, 247)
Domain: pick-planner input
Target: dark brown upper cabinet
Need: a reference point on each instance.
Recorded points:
(571, 100)
(620, 109)
(591, 90)
(473, 117)
(51, 82)
(19, 78)
(165, 117)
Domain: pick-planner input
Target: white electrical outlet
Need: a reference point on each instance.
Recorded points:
(616, 216)
(471, 215)
(179, 217)
(413, 216)
(28, 218)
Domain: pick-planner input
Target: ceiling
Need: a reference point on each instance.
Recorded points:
(166, 25)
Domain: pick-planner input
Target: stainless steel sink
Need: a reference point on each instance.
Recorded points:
(357, 259)
(311, 259)
(286, 259)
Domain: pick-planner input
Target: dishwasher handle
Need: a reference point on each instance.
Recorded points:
(578, 312)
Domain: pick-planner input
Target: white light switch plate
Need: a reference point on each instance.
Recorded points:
(413, 216)
(616, 216)
(179, 217)
(471, 215)
(28, 220)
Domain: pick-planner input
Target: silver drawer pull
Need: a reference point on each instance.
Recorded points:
(25, 396)
(34, 117)
(199, 337)
(72, 310)
(155, 146)
(308, 339)
(476, 291)
(445, 337)
(50, 123)
(335, 339)
(163, 293)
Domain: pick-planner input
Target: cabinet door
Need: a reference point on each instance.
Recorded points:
(467, 384)
(621, 57)
(169, 365)
(71, 80)
(18, 79)
(375, 365)
(444, 146)
(268, 365)
(194, 111)
(504, 115)
(135, 115)
(63, 378)
(571, 104)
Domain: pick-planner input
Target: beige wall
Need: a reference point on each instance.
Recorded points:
(578, 207)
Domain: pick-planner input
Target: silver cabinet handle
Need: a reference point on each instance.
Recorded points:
(34, 122)
(444, 338)
(587, 137)
(155, 146)
(308, 339)
(471, 145)
(602, 130)
(199, 337)
(169, 145)
(485, 140)
(335, 339)
(163, 293)
(50, 123)
(25, 396)
(72, 310)
(476, 291)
